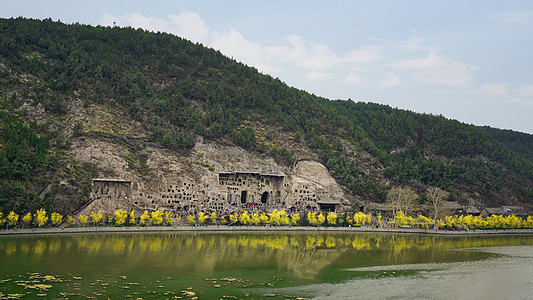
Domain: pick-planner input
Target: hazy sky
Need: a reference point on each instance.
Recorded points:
(467, 60)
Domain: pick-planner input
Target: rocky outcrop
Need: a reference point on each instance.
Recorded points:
(213, 176)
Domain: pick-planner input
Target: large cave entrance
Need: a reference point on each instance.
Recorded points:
(243, 196)
(264, 198)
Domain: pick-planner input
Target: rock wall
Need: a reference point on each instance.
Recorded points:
(212, 178)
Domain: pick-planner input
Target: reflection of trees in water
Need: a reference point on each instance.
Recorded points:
(305, 254)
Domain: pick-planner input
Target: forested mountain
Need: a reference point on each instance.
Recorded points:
(180, 91)
(519, 142)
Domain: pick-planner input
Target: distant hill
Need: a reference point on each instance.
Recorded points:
(519, 142)
(61, 85)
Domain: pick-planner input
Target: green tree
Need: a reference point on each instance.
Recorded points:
(245, 138)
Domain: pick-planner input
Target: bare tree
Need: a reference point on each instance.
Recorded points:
(401, 199)
(437, 200)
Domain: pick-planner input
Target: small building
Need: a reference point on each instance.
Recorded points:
(489, 211)
(472, 210)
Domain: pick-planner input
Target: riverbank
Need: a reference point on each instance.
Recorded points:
(256, 228)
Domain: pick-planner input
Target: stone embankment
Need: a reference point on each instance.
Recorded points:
(256, 229)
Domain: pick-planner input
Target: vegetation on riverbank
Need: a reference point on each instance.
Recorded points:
(276, 218)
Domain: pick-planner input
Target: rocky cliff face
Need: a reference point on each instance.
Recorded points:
(212, 177)
(207, 178)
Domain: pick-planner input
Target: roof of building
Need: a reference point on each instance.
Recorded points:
(492, 210)
(454, 205)
(472, 210)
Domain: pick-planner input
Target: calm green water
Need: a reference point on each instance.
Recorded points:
(213, 265)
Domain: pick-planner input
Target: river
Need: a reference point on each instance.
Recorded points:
(276, 265)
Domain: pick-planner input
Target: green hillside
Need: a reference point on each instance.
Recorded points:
(179, 91)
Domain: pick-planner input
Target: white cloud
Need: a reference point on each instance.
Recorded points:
(391, 80)
(301, 54)
(353, 78)
(364, 55)
(437, 70)
(315, 75)
(190, 26)
(414, 43)
(494, 89)
(525, 90)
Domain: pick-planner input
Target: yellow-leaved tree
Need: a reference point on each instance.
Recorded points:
(255, 218)
(12, 219)
(69, 220)
(190, 219)
(321, 219)
(144, 218)
(120, 217)
(213, 218)
(245, 218)
(284, 218)
(83, 219)
(168, 217)
(311, 218)
(401, 219)
(40, 217)
(294, 219)
(26, 219)
(202, 217)
(274, 218)
(233, 218)
(359, 218)
(56, 218)
(96, 217)
(131, 217)
(332, 218)
(263, 218)
(157, 217)
(424, 221)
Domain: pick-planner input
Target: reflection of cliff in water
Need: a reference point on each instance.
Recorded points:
(304, 254)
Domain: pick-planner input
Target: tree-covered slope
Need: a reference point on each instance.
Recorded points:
(179, 91)
(519, 142)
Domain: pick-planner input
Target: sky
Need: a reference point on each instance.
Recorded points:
(467, 60)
